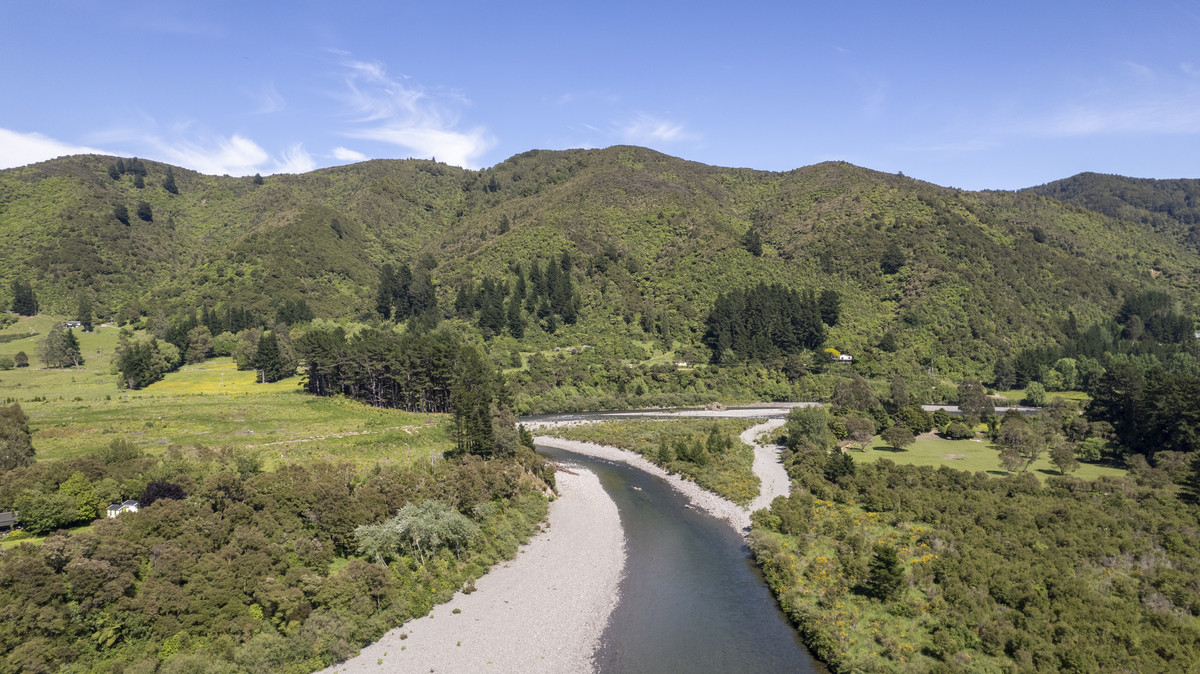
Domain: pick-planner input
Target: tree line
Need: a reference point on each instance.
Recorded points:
(768, 321)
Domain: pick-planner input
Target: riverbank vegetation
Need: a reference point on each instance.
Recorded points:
(997, 572)
(243, 555)
(705, 451)
(251, 571)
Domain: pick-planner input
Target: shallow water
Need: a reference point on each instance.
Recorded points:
(692, 600)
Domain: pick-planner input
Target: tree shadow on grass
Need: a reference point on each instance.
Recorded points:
(894, 450)
(998, 472)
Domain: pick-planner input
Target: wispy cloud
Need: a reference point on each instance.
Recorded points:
(346, 154)
(399, 111)
(645, 129)
(268, 100)
(1169, 115)
(294, 160)
(214, 154)
(588, 97)
(236, 155)
(1133, 99)
(19, 149)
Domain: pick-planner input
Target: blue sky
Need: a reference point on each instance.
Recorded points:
(971, 95)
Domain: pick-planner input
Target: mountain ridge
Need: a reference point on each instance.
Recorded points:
(647, 233)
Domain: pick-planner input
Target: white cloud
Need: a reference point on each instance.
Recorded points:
(295, 160)
(401, 112)
(19, 149)
(346, 154)
(647, 129)
(236, 155)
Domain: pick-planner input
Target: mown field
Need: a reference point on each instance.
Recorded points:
(969, 455)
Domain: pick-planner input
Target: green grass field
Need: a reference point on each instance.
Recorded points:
(1016, 395)
(6, 543)
(91, 381)
(210, 404)
(969, 455)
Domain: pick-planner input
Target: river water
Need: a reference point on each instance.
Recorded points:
(692, 599)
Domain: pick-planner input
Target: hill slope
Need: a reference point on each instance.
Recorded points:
(649, 235)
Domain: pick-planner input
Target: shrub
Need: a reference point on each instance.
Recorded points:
(957, 430)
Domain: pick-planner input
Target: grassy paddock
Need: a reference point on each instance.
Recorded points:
(1017, 395)
(211, 404)
(91, 381)
(969, 455)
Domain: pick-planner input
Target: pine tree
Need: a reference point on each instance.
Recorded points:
(267, 360)
(471, 398)
(886, 573)
(168, 182)
(515, 319)
(16, 442)
(384, 296)
(84, 313)
(144, 211)
(24, 301)
(831, 306)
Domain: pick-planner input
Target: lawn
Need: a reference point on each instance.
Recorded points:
(9, 542)
(969, 455)
(1016, 395)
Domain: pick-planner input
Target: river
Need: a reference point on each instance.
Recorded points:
(692, 600)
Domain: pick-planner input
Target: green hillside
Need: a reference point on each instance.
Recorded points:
(1171, 207)
(982, 274)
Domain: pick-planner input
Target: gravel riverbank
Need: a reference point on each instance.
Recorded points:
(773, 478)
(701, 498)
(541, 612)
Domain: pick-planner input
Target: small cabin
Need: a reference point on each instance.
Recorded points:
(845, 358)
(73, 324)
(130, 506)
(8, 520)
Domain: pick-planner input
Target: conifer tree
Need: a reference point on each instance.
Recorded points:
(267, 360)
(16, 442)
(24, 301)
(886, 573)
(168, 182)
(83, 313)
(515, 319)
(471, 401)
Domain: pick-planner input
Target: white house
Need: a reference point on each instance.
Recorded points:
(845, 358)
(130, 506)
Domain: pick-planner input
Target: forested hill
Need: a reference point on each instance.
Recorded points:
(1171, 207)
(934, 273)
